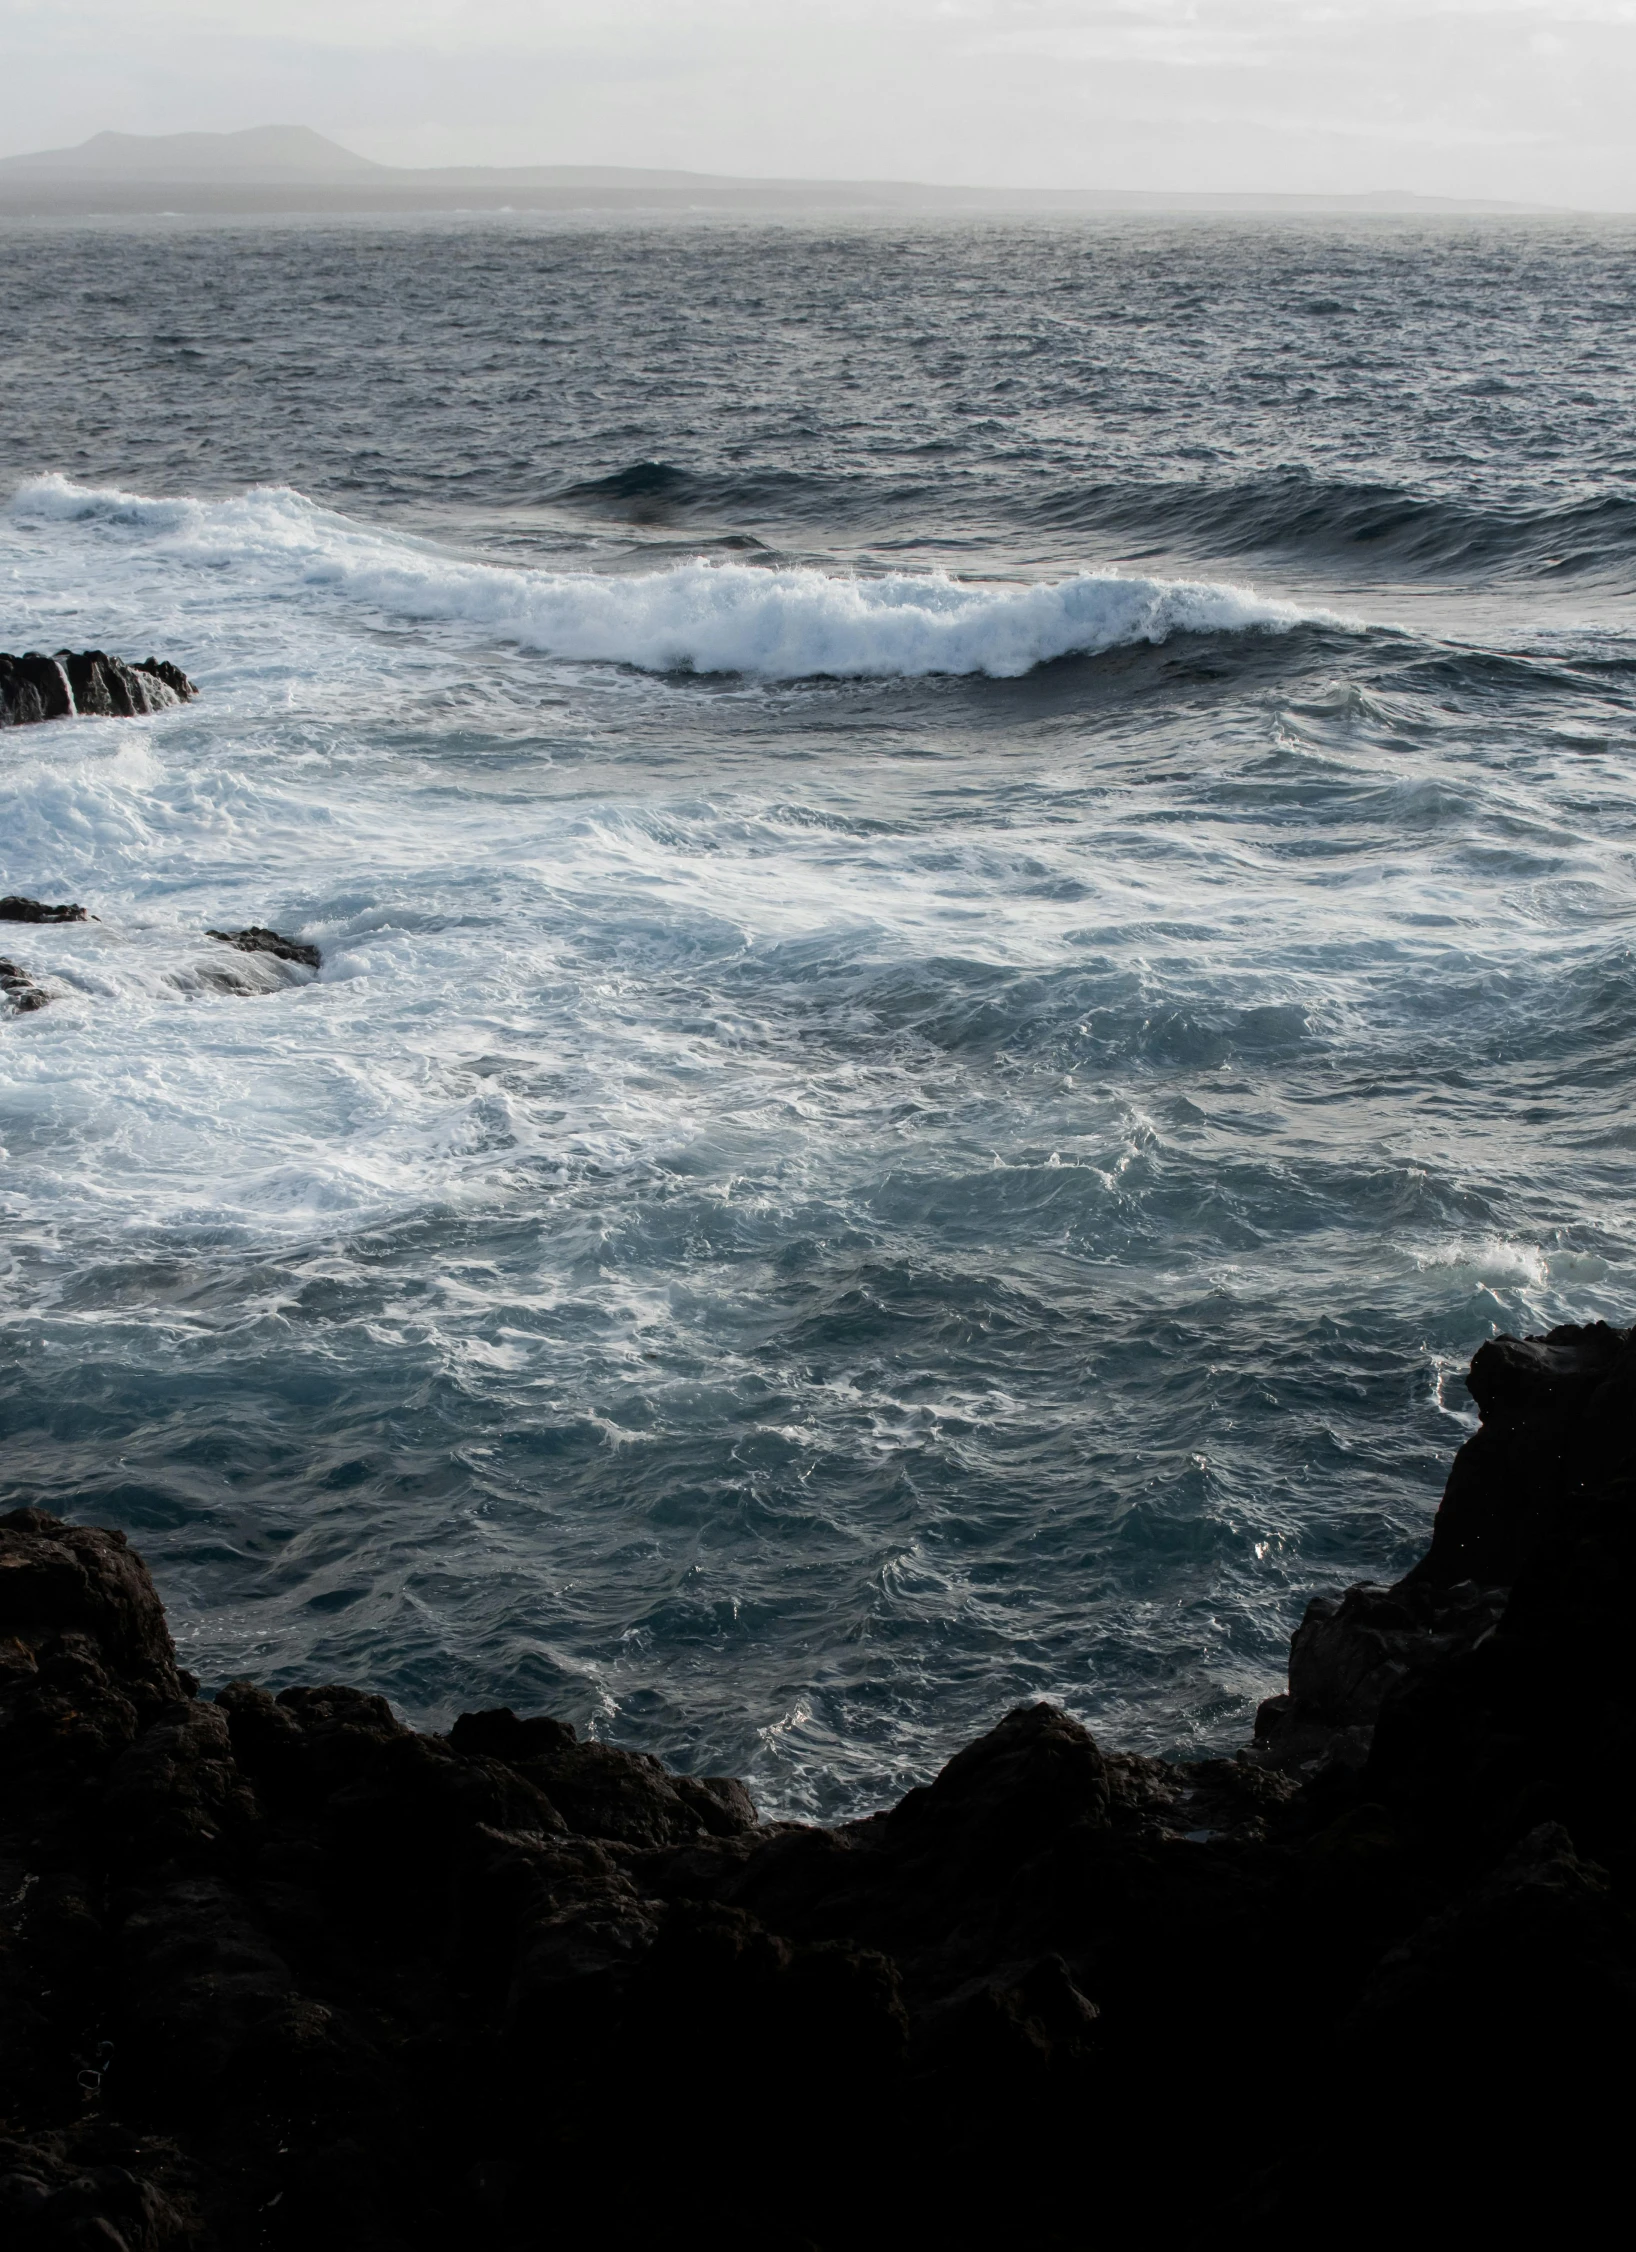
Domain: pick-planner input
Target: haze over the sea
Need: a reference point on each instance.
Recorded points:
(279, 167)
(1517, 101)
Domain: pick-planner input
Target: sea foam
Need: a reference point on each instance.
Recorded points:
(787, 623)
(795, 1220)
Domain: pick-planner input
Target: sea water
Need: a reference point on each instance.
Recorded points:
(976, 900)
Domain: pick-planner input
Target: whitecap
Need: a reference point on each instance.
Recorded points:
(785, 623)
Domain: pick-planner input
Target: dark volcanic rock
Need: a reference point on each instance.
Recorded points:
(169, 676)
(280, 1971)
(1555, 1434)
(87, 681)
(14, 909)
(1351, 1653)
(60, 1581)
(19, 991)
(33, 688)
(258, 940)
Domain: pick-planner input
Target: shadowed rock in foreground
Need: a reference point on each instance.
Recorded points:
(281, 1972)
(88, 683)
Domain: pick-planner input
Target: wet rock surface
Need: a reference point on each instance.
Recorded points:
(258, 940)
(269, 963)
(88, 683)
(20, 995)
(15, 909)
(282, 1971)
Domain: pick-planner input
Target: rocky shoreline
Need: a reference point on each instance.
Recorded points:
(283, 959)
(281, 1971)
(88, 684)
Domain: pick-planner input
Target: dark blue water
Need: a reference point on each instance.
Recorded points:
(892, 1121)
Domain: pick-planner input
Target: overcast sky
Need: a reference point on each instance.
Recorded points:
(1512, 98)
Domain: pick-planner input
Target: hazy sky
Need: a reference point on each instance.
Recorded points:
(1482, 97)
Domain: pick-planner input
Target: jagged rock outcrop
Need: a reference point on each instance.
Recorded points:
(1353, 1652)
(280, 1971)
(87, 682)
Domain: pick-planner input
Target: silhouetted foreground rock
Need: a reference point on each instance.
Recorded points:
(87, 682)
(279, 1971)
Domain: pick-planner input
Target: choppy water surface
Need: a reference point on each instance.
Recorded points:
(891, 1123)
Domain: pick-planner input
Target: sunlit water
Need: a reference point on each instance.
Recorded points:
(869, 1144)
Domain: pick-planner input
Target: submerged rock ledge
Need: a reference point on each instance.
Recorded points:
(21, 993)
(281, 1971)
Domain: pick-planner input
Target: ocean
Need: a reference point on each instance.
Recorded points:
(976, 897)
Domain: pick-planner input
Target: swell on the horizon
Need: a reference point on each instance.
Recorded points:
(1290, 511)
(774, 622)
(1284, 511)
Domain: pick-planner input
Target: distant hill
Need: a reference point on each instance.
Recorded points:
(273, 168)
(268, 153)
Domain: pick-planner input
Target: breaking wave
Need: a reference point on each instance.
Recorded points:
(784, 623)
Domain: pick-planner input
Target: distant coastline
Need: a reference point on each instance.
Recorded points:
(290, 169)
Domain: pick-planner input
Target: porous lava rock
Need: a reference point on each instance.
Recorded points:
(281, 1971)
(87, 682)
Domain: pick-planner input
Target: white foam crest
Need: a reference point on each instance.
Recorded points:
(1487, 1260)
(57, 499)
(778, 624)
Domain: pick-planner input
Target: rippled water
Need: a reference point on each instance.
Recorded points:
(891, 1123)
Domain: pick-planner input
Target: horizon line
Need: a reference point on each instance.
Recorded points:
(55, 168)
